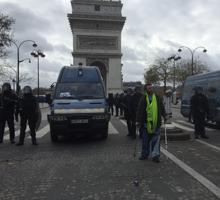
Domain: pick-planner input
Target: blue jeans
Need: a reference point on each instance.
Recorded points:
(150, 143)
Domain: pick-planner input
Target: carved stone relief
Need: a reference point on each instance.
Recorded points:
(97, 42)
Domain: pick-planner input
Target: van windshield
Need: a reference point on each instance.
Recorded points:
(79, 91)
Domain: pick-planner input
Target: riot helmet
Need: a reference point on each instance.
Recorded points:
(27, 90)
(6, 87)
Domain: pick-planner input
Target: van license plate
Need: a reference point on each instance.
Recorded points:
(79, 121)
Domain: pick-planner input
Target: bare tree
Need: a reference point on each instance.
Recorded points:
(5, 34)
(151, 75)
(160, 71)
(8, 73)
(183, 70)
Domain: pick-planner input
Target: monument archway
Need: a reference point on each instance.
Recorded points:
(102, 69)
(96, 27)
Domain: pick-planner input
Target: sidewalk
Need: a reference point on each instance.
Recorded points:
(43, 105)
(176, 106)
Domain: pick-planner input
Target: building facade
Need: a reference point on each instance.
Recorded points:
(96, 27)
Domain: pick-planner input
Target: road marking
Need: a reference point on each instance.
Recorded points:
(111, 129)
(7, 137)
(204, 181)
(189, 124)
(209, 145)
(182, 127)
(43, 131)
(123, 122)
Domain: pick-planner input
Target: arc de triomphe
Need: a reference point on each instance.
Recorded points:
(96, 27)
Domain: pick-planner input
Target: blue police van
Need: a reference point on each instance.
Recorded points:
(210, 83)
(79, 103)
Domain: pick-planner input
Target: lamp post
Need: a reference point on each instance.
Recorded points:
(38, 54)
(18, 46)
(192, 54)
(174, 58)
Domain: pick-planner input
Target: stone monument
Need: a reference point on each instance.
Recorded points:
(96, 27)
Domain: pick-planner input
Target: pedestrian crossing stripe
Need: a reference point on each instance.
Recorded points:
(123, 122)
(46, 129)
(40, 133)
(7, 137)
(111, 129)
(191, 125)
(182, 127)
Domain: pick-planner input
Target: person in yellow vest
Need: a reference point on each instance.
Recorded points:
(149, 116)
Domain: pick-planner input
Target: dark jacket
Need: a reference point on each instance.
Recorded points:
(134, 104)
(127, 106)
(28, 105)
(8, 101)
(141, 116)
(199, 105)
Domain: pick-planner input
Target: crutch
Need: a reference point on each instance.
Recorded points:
(165, 134)
(135, 144)
(136, 182)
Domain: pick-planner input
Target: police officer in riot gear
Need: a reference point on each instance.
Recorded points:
(200, 110)
(127, 109)
(8, 101)
(134, 105)
(28, 107)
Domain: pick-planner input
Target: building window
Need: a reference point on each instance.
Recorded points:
(97, 7)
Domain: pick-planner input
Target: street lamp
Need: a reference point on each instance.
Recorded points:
(18, 59)
(174, 58)
(192, 53)
(38, 54)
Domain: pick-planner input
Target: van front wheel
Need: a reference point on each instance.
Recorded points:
(53, 135)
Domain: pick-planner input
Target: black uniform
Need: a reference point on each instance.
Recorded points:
(128, 111)
(120, 102)
(28, 107)
(8, 101)
(134, 105)
(199, 109)
(116, 102)
(110, 103)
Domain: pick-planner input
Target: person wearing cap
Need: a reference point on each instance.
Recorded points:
(8, 101)
(149, 116)
(200, 110)
(28, 108)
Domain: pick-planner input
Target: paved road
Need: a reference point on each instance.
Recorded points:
(90, 168)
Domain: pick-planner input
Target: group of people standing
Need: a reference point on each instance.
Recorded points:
(143, 111)
(11, 106)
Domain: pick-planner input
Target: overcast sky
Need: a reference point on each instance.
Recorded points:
(153, 28)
